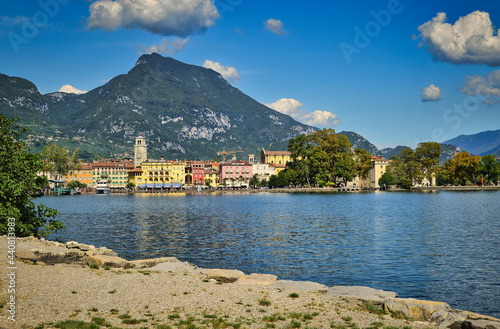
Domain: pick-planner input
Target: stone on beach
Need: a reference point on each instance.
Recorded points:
(107, 261)
(221, 275)
(257, 279)
(415, 309)
(364, 293)
(147, 263)
(306, 286)
(176, 267)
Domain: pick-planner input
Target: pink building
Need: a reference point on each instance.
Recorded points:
(236, 173)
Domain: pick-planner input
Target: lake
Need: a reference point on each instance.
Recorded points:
(441, 246)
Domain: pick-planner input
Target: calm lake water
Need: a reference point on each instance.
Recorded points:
(442, 246)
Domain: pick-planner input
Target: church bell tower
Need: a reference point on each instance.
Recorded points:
(140, 150)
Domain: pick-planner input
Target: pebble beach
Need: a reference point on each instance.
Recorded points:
(173, 294)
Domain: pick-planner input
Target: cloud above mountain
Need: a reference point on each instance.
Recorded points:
(470, 40)
(293, 108)
(487, 86)
(276, 26)
(431, 94)
(164, 17)
(228, 72)
(166, 47)
(71, 90)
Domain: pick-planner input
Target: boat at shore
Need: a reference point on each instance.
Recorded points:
(103, 187)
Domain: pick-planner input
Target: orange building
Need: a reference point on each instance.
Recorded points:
(83, 175)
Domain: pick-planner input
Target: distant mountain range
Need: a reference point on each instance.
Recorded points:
(483, 143)
(184, 111)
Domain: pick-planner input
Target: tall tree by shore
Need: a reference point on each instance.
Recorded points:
(19, 185)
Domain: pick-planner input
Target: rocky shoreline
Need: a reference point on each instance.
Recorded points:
(58, 282)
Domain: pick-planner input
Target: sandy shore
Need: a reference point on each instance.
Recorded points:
(176, 298)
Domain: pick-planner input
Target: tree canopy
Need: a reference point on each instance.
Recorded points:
(19, 185)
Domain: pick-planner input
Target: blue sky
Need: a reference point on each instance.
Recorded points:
(352, 65)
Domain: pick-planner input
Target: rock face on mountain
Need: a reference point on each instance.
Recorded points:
(185, 111)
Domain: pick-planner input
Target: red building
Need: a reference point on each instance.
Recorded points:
(195, 173)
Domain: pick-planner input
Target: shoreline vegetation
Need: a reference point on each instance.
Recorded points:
(74, 285)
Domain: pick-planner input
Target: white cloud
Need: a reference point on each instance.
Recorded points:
(164, 17)
(71, 90)
(487, 86)
(431, 94)
(276, 26)
(166, 47)
(293, 108)
(471, 40)
(228, 72)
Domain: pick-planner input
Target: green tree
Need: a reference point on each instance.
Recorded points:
(344, 168)
(59, 160)
(18, 185)
(463, 169)
(254, 181)
(130, 185)
(363, 161)
(406, 168)
(428, 154)
(321, 157)
(299, 147)
(387, 179)
(76, 184)
(490, 169)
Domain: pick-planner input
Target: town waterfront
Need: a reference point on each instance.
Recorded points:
(440, 246)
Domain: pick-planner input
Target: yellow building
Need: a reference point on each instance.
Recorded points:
(275, 157)
(158, 174)
(212, 176)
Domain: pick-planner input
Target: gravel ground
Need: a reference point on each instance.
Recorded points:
(47, 295)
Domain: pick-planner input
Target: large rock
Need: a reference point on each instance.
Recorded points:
(375, 296)
(221, 275)
(107, 261)
(415, 309)
(48, 257)
(176, 268)
(457, 319)
(147, 263)
(257, 279)
(306, 286)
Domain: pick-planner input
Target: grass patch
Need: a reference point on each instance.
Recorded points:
(294, 324)
(337, 326)
(93, 309)
(370, 308)
(174, 316)
(264, 302)
(94, 266)
(112, 291)
(100, 322)
(114, 311)
(71, 324)
(124, 316)
(346, 318)
(133, 321)
(294, 295)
